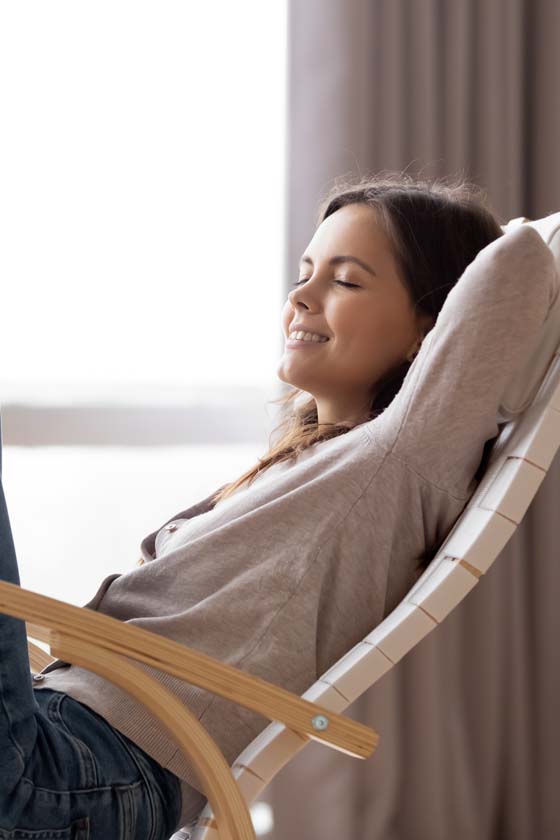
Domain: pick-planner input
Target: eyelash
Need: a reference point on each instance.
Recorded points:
(342, 283)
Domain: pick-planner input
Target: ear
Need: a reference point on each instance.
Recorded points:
(425, 324)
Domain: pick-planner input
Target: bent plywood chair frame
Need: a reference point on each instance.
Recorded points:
(103, 644)
(519, 460)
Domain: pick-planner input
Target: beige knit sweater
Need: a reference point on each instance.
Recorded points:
(284, 577)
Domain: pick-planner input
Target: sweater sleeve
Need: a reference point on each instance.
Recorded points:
(447, 407)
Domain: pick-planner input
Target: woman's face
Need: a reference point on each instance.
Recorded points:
(371, 325)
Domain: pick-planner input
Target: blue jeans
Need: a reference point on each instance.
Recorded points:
(65, 772)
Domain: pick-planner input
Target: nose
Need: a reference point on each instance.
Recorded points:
(292, 296)
(295, 299)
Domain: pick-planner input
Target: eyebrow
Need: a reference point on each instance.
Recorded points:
(342, 259)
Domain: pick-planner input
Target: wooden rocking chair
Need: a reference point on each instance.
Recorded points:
(517, 464)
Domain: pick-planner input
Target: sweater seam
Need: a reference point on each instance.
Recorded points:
(390, 453)
(429, 481)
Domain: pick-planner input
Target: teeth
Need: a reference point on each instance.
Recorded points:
(307, 336)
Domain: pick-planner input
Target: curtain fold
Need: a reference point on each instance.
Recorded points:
(470, 738)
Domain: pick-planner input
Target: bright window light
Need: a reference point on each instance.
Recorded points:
(141, 193)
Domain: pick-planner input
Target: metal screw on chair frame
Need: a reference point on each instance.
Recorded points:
(320, 722)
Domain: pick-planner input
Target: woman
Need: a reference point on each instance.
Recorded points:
(283, 570)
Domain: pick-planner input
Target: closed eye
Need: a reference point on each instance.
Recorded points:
(342, 283)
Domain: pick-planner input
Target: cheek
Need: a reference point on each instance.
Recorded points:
(374, 329)
(381, 337)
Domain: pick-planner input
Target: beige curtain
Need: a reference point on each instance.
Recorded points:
(469, 724)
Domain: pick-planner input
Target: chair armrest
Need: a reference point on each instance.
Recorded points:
(38, 658)
(55, 622)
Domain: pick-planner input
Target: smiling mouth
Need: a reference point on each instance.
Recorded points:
(301, 342)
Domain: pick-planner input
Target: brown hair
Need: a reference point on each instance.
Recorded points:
(436, 227)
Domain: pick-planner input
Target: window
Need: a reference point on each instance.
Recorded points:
(142, 171)
(141, 207)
